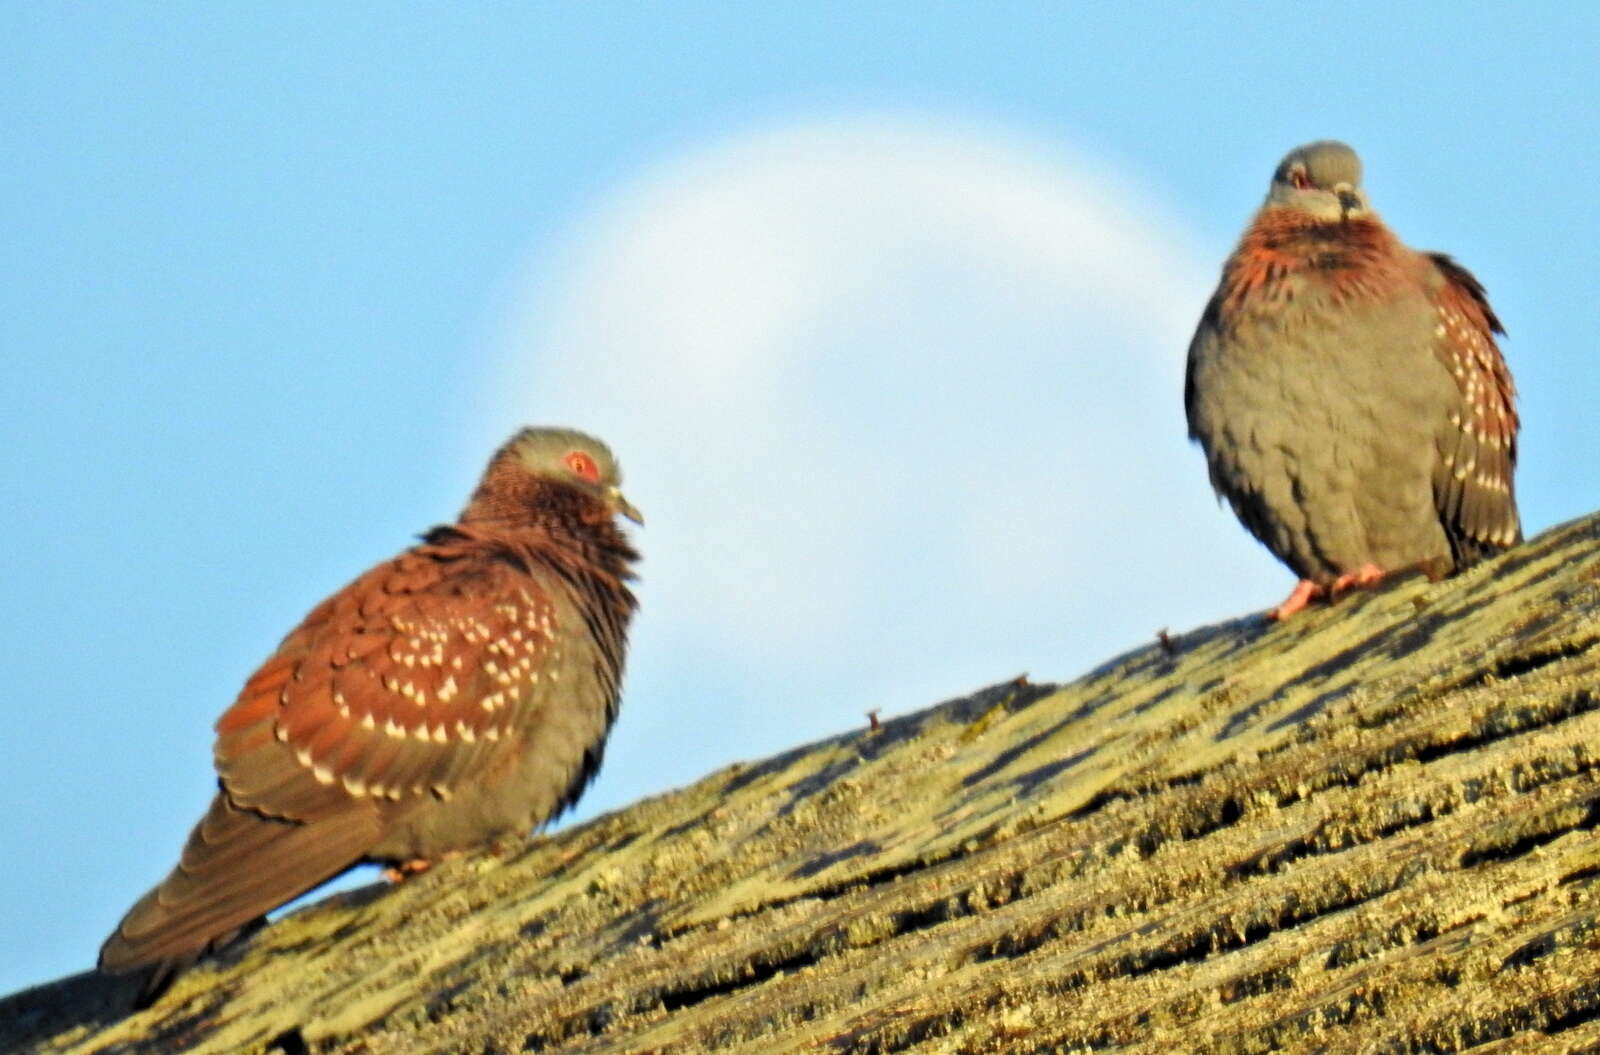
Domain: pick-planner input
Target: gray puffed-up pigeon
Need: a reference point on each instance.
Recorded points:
(1348, 393)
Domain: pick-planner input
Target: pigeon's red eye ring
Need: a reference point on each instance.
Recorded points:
(583, 465)
(1299, 178)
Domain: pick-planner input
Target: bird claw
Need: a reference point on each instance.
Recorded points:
(1305, 591)
(1366, 575)
(403, 870)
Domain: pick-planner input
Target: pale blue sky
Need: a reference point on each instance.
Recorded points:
(884, 312)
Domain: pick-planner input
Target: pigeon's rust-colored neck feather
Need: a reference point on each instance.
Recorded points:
(510, 494)
(1286, 253)
(546, 522)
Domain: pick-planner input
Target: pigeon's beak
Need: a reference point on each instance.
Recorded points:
(1349, 200)
(625, 507)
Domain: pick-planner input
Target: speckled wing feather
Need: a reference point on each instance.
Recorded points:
(425, 676)
(1478, 451)
(419, 673)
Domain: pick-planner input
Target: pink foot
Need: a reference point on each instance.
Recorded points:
(1305, 591)
(1366, 575)
(397, 873)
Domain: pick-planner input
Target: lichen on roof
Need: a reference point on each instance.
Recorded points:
(1371, 828)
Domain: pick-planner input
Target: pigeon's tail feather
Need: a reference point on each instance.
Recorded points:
(237, 866)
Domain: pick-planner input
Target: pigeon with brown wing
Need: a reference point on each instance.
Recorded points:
(455, 695)
(1348, 393)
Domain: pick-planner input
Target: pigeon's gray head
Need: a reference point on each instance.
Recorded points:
(1322, 180)
(550, 469)
(572, 459)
